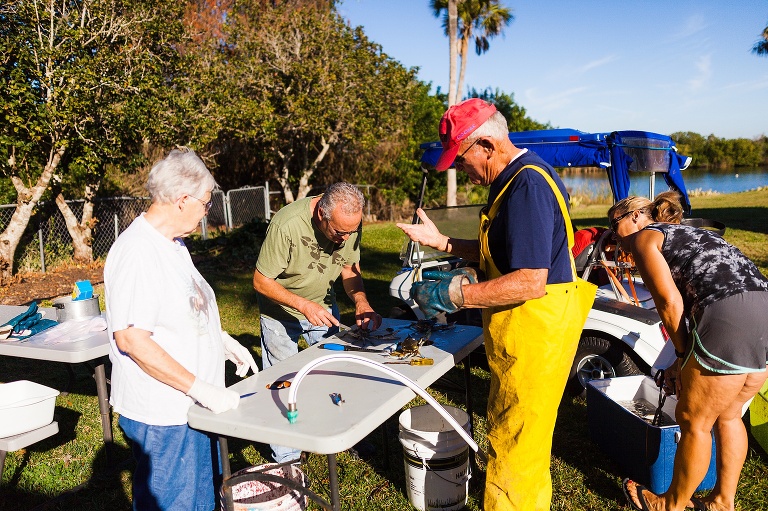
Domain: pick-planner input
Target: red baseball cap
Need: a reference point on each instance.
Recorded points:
(457, 124)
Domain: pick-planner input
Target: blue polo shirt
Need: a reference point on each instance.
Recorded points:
(528, 230)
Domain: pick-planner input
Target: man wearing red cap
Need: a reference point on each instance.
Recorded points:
(534, 307)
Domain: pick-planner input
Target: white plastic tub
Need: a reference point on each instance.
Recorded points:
(25, 406)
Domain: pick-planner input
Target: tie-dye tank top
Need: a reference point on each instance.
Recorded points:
(705, 267)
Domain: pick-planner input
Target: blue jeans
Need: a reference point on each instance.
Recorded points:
(174, 467)
(280, 340)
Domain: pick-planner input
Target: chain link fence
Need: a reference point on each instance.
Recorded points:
(46, 241)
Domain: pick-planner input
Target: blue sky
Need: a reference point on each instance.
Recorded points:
(600, 65)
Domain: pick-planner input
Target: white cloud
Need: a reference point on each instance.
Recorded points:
(691, 26)
(596, 63)
(748, 86)
(703, 67)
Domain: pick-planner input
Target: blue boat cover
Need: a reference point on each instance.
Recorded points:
(618, 153)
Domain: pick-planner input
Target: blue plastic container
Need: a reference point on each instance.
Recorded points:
(644, 453)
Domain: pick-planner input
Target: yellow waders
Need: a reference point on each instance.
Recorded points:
(530, 350)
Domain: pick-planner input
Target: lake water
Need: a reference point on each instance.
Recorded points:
(595, 184)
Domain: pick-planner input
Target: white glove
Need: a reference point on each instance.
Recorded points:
(239, 355)
(216, 399)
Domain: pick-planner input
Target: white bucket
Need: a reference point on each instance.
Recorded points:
(269, 496)
(436, 459)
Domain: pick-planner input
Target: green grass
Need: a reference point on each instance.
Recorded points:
(70, 467)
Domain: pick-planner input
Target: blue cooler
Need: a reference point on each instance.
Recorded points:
(644, 453)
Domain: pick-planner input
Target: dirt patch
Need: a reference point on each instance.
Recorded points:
(27, 287)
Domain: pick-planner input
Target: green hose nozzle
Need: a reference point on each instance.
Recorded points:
(292, 413)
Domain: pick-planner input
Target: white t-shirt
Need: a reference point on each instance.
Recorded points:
(151, 283)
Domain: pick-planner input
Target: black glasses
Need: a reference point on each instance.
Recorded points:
(615, 221)
(341, 234)
(207, 205)
(460, 158)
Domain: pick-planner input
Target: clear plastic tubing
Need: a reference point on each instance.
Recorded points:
(293, 411)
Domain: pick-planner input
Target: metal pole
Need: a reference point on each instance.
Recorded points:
(652, 186)
(117, 226)
(42, 252)
(227, 211)
(267, 210)
(368, 191)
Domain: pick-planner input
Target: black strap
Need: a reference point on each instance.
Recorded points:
(658, 378)
(705, 223)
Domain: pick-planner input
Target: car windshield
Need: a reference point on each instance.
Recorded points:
(459, 222)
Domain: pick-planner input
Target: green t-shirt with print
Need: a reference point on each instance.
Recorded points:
(298, 256)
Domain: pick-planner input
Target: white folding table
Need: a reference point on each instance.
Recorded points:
(322, 427)
(93, 347)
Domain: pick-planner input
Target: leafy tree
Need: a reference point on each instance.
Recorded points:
(761, 47)
(301, 85)
(73, 81)
(717, 152)
(480, 20)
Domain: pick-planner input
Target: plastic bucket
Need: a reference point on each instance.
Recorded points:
(255, 495)
(436, 458)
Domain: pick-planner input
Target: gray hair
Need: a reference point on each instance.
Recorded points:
(495, 127)
(344, 195)
(181, 172)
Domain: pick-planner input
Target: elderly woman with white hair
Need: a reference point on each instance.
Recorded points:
(167, 345)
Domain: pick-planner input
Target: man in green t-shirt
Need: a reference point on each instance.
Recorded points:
(309, 244)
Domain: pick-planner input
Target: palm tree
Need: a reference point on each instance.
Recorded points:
(761, 47)
(478, 19)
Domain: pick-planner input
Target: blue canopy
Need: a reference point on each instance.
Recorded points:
(618, 153)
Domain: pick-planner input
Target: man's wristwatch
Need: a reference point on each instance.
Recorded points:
(679, 354)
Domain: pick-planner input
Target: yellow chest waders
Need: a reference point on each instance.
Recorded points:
(530, 350)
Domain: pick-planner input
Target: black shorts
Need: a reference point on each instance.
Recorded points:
(731, 335)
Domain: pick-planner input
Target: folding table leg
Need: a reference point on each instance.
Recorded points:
(468, 398)
(468, 394)
(226, 472)
(333, 477)
(106, 421)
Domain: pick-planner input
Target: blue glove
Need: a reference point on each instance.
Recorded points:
(436, 296)
(27, 323)
(31, 311)
(470, 273)
(31, 329)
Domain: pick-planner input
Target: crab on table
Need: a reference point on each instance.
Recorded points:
(427, 326)
(409, 347)
(366, 336)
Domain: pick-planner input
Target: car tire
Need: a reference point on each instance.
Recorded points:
(596, 358)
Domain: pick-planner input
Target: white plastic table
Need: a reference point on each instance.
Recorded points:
(370, 397)
(91, 348)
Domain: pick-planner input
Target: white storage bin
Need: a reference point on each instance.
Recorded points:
(24, 406)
